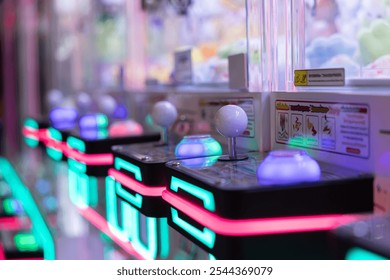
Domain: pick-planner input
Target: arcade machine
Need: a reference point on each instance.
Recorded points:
(82, 124)
(191, 64)
(335, 84)
(17, 225)
(326, 146)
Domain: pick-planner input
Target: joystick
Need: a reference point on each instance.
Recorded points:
(164, 114)
(230, 122)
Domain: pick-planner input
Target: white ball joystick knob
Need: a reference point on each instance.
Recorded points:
(231, 121)
(164, 114)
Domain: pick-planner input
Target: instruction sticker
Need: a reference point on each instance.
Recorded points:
(326, 126)
(183, 67)
(320, 77)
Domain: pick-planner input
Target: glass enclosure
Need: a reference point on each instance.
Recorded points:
(212, 30)
(320, 34)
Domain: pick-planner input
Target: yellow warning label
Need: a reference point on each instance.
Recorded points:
(300, 78)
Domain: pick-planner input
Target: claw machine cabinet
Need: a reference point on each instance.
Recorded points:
(194, 32)
(331, 74)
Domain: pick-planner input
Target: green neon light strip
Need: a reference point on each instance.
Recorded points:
(77, 166)
(31, 142)
(102, 133)
(164, 238)
(9, 206)
(83, 189)
(133, 199)
(206, 196)
(148, 250)
(206, 236)
(21, 193)
(124, 232)
(356, 253)
(93, 191)
(102, 121)
(26, 242)
(212, 257)
(54, 153)
(31, 123)
(130, 230)
(127, 220)
(120, 163)
(55, 134)
(76, 143)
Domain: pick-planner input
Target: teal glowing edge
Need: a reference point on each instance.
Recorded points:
(357, 253)
(206, 236)
(206, 196)
(77, 166)
(31, 123)
(83, 189)
(157, 243)
(122, 164)
(31, 142)
(52, 152)
(76, 143)
(21, 193)
(54, 134)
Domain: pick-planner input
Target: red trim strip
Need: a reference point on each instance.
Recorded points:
(260, 226)
(134, 185)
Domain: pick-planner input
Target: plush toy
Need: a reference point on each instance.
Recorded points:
(374, 41)
(323, 49)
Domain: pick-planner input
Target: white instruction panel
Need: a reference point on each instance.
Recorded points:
(326, 126)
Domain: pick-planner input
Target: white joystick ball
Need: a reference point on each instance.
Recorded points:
(231, 120)
(164, 113)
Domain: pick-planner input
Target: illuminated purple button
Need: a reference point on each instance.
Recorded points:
(93, 134)
(288, 167)
(93, 121)
(63, 118)
(198, 146)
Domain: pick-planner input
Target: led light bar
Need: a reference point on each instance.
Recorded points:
(261, 226)
(134, 185)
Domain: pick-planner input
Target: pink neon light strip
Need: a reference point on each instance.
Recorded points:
(135, 185)
(90, 159)
(38, 134)
(13, 223)
(55, 144)
(101, 224)
(261, 226)
(2, 253)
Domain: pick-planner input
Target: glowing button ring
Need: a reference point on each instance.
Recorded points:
(288, 167)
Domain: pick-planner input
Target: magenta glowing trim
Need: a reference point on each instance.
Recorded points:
(260, 226)
(135, 185)
(37, 134)
(90, 159)
(13, 223)
(2, 254)
(55, 144)
(101, 224)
